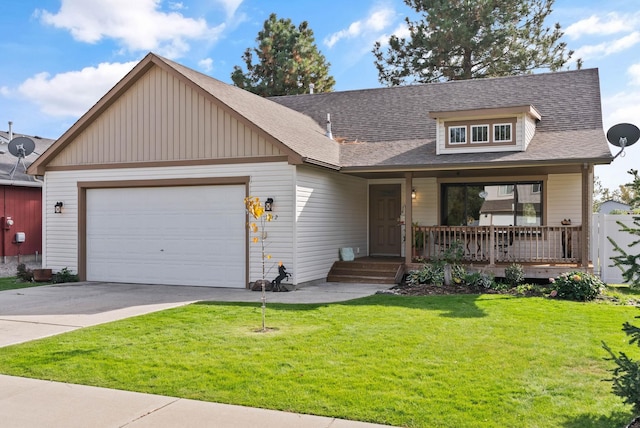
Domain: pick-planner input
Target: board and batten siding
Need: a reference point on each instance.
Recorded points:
(425, 205)
(564, 199)
(330, 213)
(160, 118)
(270, 179)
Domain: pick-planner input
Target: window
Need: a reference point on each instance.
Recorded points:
(505, 189)
(457, 135)
(479, 133)
(502, 132)
(498, 204)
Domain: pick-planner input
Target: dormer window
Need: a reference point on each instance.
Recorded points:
(494, 132)
(479, 134)
(502, 133)
(457, 135)
(485, 130)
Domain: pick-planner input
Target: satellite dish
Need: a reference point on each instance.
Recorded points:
(20, 147)
(623, 135)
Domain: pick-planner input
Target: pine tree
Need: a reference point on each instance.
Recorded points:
(465, 39)
(288, 61)
(628, 261)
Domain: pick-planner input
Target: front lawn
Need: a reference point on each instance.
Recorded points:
(440, 361)
(12, 283)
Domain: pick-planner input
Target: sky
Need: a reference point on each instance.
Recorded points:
(58, 57)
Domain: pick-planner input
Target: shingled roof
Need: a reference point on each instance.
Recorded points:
(8, 161)
(391, 127)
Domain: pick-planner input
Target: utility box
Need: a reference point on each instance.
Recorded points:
(20, 237)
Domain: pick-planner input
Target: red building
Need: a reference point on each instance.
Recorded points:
(20, 199)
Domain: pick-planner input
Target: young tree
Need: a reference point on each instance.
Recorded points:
(629, 261)
(288, 61)
(464, 39)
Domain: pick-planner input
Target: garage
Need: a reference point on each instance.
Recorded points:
(181, 235)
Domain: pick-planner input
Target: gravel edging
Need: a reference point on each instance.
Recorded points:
(10, 268)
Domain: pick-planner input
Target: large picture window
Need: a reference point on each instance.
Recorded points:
(498, 204)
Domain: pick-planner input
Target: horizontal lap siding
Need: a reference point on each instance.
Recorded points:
(331, 213)
(267, 180)
(564, 196)
(160, 118)
(425, 206)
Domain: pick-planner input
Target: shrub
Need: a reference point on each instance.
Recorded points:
(65, 275)
(433, 273)
(23, 273)
(480, 280)
(577, 285)
(626, 376)
(514, 274)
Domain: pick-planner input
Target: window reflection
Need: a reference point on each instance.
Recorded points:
(502, 204)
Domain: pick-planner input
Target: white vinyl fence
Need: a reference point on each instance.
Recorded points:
(605, 225)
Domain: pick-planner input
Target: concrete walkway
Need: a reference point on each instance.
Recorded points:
(33, 313)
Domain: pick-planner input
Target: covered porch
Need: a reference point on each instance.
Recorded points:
(544, 251)
(546, 248)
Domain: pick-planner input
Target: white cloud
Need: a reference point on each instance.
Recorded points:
(176, 5)
(73, 93)
(609, 47)
(230, 6)
(206, 64)
(621, 107)
(139, 25)
(634, 72)
(5, 91)
(377, 21)
(611, 23)
(401, 31)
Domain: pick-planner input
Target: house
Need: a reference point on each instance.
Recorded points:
(21, 199)
(610, 205)
(152, 178)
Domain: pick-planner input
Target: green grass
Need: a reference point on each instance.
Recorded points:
(12, 283)
(446, 361)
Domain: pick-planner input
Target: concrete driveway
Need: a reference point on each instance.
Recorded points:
(32, 313)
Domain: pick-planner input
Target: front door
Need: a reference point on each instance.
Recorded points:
(384, 213)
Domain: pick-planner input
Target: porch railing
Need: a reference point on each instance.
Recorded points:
(501, 244)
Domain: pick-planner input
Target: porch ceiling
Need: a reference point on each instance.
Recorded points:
(466, 171)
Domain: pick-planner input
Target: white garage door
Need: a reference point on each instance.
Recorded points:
(191, 235)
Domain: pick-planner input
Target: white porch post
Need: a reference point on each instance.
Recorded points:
(587, 196)
(408, 218)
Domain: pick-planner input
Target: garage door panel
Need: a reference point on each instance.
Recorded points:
(191, 235)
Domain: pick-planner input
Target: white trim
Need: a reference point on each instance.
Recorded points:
(488, 140)
(496, 140)
(457, 127)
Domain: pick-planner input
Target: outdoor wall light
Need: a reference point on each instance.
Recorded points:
(413, 193)
(57, 208)
(268, 204)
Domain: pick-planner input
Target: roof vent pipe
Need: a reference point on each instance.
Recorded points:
(10, 130)
(311, 86)
(328, 134)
